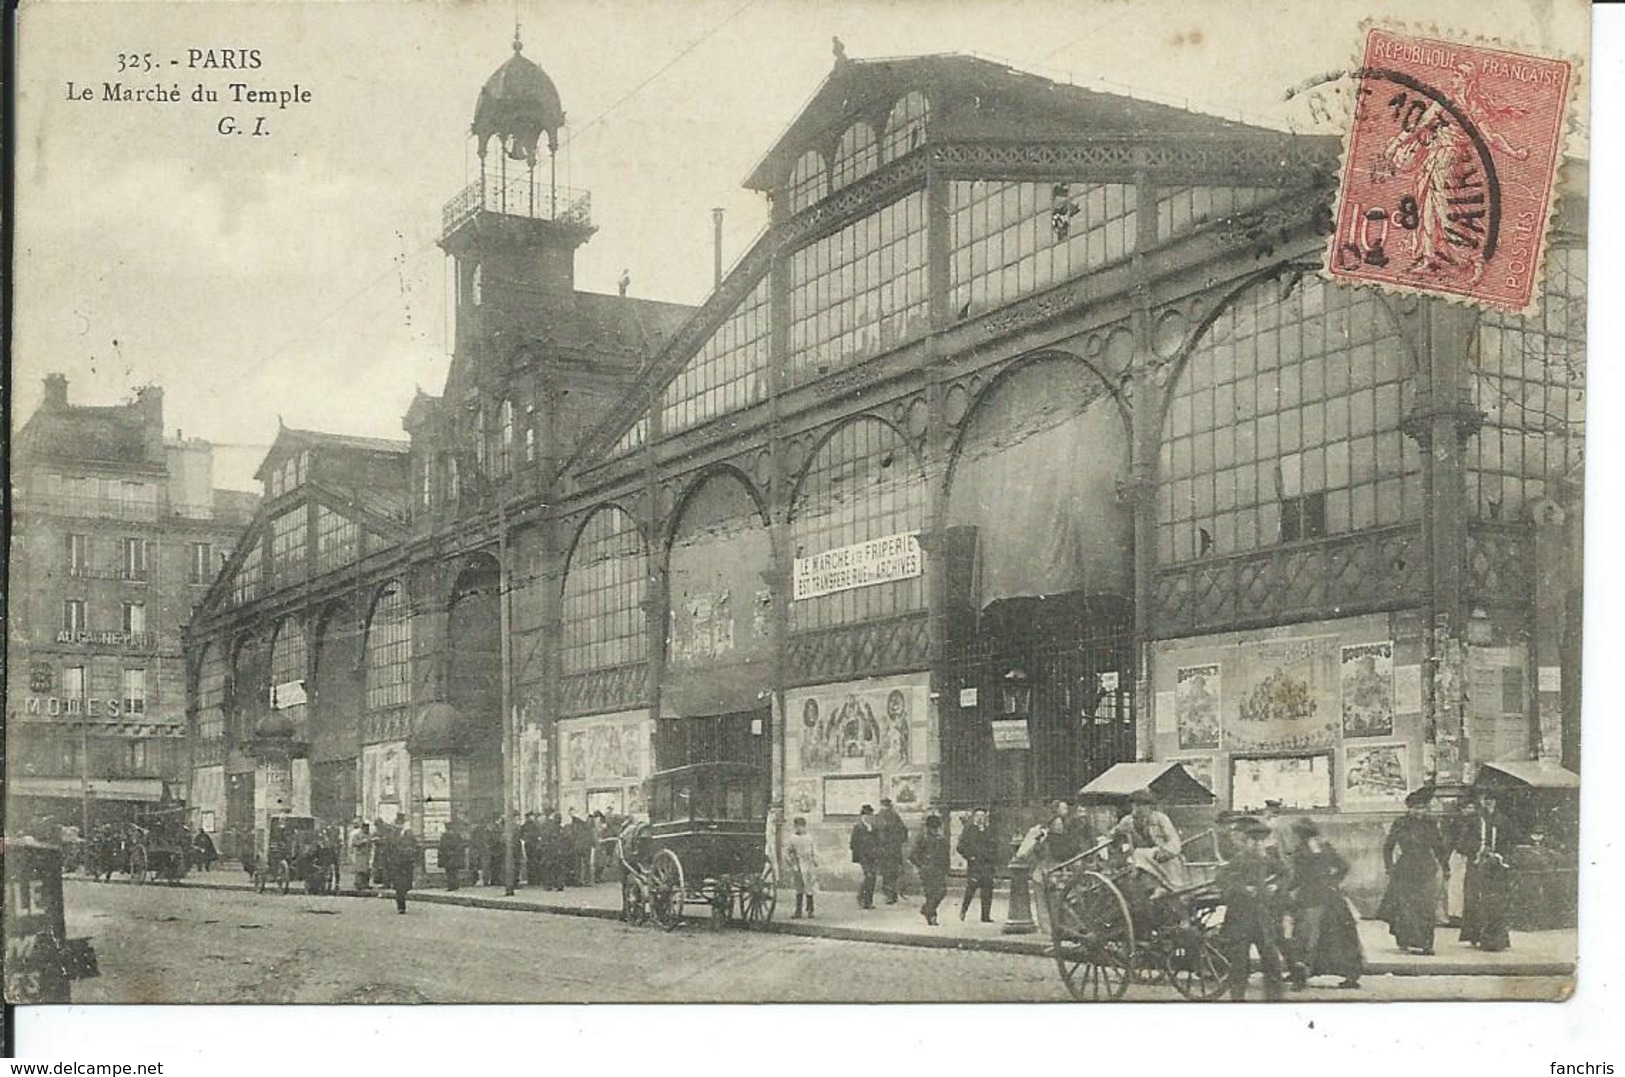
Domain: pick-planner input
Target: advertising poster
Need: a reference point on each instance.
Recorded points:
(1288, 697)
(1196, 706)
(1376, 776)
(1368, 690)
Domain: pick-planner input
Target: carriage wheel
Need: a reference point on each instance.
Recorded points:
(1094, 938)
(761, 895)
(666, 889)
(138, 865)
(634, 900)
(1197, 965)
(283, 875)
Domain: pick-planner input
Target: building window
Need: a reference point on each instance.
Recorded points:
(78, 550)
(604, 588)
(855, 157)
(634, 438)
(864, 483)
(338, 539)
(200, 563)
(288, 544)
(728, 373)
(247, 584)
(211, 695)
(809, 181)
(73, 683)
(504, 445)
(905, 128)
(135, 617)
(1010, 239)
(1530, 383)
(1284, 424)
(531, 419)
(453, 479)
(288, 669)
(73, 616)
(482, 448)
(135, 559)
(135, 758)
(135, 691)
(426, 481)
(860, 291)
(389, 650)
(1182, 208)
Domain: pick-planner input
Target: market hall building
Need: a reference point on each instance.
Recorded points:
(1026, 439)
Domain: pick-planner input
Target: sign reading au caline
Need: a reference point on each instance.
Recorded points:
(864, 564)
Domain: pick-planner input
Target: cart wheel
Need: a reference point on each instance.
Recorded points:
(138, 865)
(761, 895)
(283, 875)
(1094, 938)
(1197, 965)
(634, 900)
(666, 889)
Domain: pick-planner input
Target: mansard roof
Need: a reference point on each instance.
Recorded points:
(289, 439)
(972, 98)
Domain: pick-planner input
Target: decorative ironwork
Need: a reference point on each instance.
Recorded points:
(616, 688)
(383, 726)
(517, 196)
(861, 649)
(1360, 573)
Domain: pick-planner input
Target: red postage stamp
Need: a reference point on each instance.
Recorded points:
(1449, 170)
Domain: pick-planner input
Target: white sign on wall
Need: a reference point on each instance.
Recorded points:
(864, 564)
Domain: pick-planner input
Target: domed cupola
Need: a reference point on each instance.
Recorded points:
(517, 105)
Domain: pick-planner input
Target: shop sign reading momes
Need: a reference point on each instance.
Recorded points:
(863, 564)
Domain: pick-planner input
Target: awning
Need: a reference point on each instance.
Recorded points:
(147, 790)
(1171, 783)
(1530, 773)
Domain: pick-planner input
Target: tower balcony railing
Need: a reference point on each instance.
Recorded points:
(517, 196)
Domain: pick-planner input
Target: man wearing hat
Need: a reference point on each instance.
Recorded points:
(1152, 838)
(1414, 855)
(530, 837)
(930, 856)
(865, 845)
(1251, 882)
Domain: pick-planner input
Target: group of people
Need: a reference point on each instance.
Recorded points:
(1424, 856)
(386, 854)
(549, 851)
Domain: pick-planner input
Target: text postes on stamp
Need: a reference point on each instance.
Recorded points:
(1449, 170)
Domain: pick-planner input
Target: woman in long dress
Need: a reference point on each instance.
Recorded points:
(1325, 940)
(1414, 855)
(1484, 840)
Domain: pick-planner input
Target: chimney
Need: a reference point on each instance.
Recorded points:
(716, 247)
(56, 390)
(149, 407)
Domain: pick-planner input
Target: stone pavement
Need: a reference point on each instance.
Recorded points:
(1533, 953)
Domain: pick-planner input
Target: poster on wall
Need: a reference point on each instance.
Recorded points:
(802, 798)
(874, 728)
(1199, 767)
(847, 794)
(1288, 698)
(436, 797)
(1196, 706)
(1368, 690)
(1376, 776)
(1299, 782)
(908, 791)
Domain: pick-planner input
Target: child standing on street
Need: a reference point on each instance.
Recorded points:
(801, 867)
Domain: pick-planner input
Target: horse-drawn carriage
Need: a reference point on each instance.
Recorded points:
(149, 846)
(1119, 914)
(705, 842)
(295, 847)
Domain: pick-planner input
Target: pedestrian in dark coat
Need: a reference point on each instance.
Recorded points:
(893, 840)
(453, 847)
(401, 860)
(530, 835)
(1252, 882)
(1484, 839)
(981, 852)
(930, 857)
(865, 845)
(1414, 855)
(553, 852)
(491, 850)
(1325, 939)
(580, 865)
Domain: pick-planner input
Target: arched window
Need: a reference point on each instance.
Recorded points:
(1285, 424)
(482, 447)
(855, 157)
(531, 419)
(604, 588)
(504, 447)
(905, 128)
(809, 181)
(389, 650)
(863, 483)
(288, 667)
(1530, 384)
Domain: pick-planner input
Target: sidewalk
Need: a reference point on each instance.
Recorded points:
(1533, 953)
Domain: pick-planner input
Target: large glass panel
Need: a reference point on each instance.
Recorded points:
(604, 589)
(389, 650)
(728, 373)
